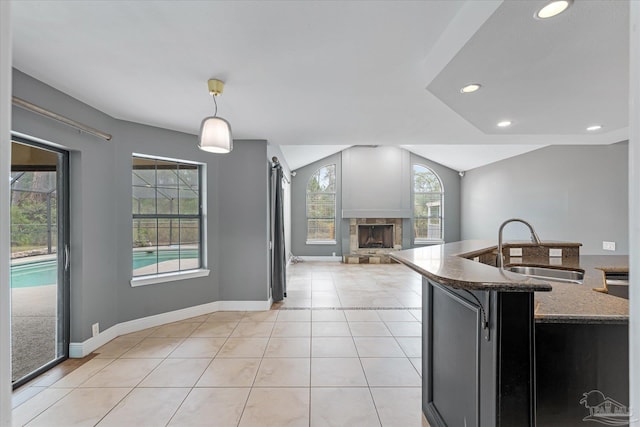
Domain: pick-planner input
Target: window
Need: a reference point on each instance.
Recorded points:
(167, 216)
(428, 198)
(321, 206)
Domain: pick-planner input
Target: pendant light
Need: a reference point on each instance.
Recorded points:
(215, 132)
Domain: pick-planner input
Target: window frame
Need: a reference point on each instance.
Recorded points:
(422, 240)
(201, 270)
(306, 207)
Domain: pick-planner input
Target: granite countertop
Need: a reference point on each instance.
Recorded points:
(555, 302)
(579, 303)
(446, 264)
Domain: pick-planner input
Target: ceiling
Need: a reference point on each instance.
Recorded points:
(315, 77)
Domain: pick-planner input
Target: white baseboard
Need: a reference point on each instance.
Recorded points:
(245, 305)
(320, 258)
(82, 349)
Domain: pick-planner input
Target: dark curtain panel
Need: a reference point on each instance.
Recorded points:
(278, 252)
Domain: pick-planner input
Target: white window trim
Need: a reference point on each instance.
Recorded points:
(321, 242)
(168, 277)
(422, 240)
(335, 210)
(173, 276)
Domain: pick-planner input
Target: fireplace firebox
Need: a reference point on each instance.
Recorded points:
(375, 235)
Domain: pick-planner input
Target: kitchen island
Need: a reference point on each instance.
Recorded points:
(503, 349)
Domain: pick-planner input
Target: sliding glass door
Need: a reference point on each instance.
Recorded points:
(39, 258)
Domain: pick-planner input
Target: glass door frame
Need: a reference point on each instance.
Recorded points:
(63, 260)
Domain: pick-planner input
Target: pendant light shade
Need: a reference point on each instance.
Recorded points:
(215, 132)
(215, 135)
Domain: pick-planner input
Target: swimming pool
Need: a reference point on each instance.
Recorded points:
(45, 272)
(38, 273)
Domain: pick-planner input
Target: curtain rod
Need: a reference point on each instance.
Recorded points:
(44, 112)
(276, 163)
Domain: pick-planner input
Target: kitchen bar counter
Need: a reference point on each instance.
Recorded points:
(500, 349)
(446, 265)
(555, 302)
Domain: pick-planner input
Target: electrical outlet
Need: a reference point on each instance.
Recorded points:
(609, 246)
(476, 258)
(555, 252)
(515, 251)
(95, 329)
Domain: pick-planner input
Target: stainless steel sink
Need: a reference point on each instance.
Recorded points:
(617, 284)
(573, 276)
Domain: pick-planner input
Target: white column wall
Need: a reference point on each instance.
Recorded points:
(5, 245)
(634, 214)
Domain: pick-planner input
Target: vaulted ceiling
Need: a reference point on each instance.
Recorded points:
(315, 77)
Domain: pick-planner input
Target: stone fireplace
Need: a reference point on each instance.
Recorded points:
(372, 239)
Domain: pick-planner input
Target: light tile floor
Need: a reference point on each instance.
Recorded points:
(342, 350)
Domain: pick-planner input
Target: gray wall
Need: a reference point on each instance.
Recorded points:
(568, 193)
(376, 182)
(101, 237)
(449, 177)
(299, 182)
(243, 203)
(452, 186)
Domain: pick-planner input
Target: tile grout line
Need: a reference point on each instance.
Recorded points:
(244, 407)
(365, 373)
(310, 359)
(205, 369)
(143, 378)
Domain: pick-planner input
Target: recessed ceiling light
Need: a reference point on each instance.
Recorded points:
(553, 8)
(504, 123)
(470, 88)
(594, 128)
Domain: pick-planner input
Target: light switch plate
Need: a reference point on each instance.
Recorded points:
(515, 251)
(555, 252)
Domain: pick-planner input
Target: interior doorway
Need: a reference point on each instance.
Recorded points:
(39, 258)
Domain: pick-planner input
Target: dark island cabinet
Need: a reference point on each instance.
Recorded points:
(582, 374)
(478, 351)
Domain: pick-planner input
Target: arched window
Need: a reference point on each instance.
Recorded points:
(428, 197)
(321, 206)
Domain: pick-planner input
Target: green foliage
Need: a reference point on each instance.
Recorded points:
(164, 232)
(427, 207)
(324, 180)
(29, 221)
(425, 181)
(321, 204)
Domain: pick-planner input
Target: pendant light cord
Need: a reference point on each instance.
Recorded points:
(216, 104)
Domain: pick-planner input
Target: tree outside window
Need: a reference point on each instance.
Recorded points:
(167, 216)
(321, 205)
(428, 197)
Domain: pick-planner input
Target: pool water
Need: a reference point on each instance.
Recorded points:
(37, 273)
(143, 259)
(45, 272)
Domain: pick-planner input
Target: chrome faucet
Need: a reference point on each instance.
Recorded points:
(534, 238)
